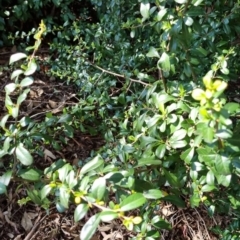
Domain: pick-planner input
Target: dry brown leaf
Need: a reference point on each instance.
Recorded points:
(48, 153)
(52, 104)
(26, 222)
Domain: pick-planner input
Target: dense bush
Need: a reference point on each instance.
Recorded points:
(152, 78)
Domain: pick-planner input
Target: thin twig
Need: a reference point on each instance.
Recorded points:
(118, 75)
(203, 224)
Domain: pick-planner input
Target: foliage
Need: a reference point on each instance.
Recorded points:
(151, 78)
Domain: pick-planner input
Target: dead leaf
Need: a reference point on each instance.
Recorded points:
(26, 222)
(48, 153)
(52, 104)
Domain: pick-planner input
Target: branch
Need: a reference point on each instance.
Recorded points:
(118, 75)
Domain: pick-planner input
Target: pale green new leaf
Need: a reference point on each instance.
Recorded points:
(144, 10)
(32, 67)
(9, 88)
(26, 82)
(6, 178)
(16, 57)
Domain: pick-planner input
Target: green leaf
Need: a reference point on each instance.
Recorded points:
(23, 96)
(187, 155)
(160, 223)
(225, 180)
(164, 62)
(148, 161)
(6, 178)
(90, 227)
(178, 144)
(80, 211)
(232, 107)
(99, 188)
(222, 165)
(23, 155)
(224, 133)
(207, 188)
(132, 202)
(161, 14)
(63, 172)
(32, 67)
(153, 52)
(14, 111)
(16, 57)
(188, 21)
(178, 135)
(34, 195)
(6, 143)
(9, 88)
(153, 194)
(108, 216)
(65, 118)
(4, 120)
(197, 2)
(206, 132)
(3, 188)
(177, 201)
(71, 180)
(144, 10)
(172, 179)
(210, 178)
(181, 1)
(160, 151)
(45, 191)
(26, 82)
(30, 174)
(64, 196)
(93, 164)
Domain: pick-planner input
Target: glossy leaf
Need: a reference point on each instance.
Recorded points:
(63, 171)
(64, 196)
(99, 188)
(176, 200)
(93, 164)
(90, 227)
(32, 67)
(148, 161)
(6, 178)
(16, 57)
(187, 155)
(26, 82)
(108, 216)
(153, 194)
(80, 211)
(153, 53)
(144, 10)
(45, 191)
(9, 88)
(30, 174)
(23, 155)
(132, 202)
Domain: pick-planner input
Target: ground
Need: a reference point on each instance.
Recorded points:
(32, 222)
